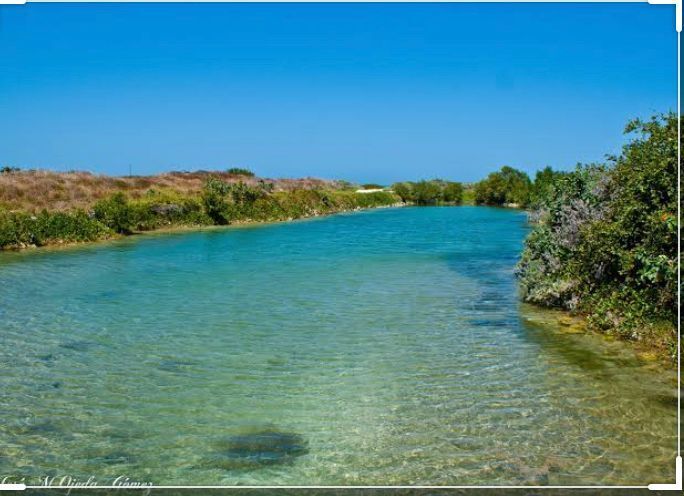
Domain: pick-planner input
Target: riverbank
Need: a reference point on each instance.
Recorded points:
(220, 203)
(183, 228)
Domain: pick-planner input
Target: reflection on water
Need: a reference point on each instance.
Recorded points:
(386, 347)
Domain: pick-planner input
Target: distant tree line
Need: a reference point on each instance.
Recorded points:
(506, 187)
(512, 187)
(434, 192)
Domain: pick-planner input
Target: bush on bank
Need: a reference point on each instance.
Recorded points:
(512, 187)
(227, 203)
(221, 203)
(435, 192)
(19, 229)
(606, 236)
(508, 186)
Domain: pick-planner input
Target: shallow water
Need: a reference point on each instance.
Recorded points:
(382, 347)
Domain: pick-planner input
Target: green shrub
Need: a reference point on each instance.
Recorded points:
(68, 226)
(605, 243)
(224, 202)
(115, 213)
(468, 197)
(372, 200)
(243, 194)
(215, 200)
(15, 229)
(434, 192)
(153, 213)
(19, 229)
(507, 186)
(452, 192)
(426, 192)
(542, 185)
(404, 190)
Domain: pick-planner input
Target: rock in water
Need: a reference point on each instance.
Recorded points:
(77, 345)
(261, 448)
(175, 366)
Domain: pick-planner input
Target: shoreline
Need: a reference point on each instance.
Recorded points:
(563, 322)
(182, 228)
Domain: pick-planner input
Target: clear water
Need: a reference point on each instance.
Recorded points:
(382, 347)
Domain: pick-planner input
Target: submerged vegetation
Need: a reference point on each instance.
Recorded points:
(605, 239)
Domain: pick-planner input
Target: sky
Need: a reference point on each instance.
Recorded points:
(363, 92)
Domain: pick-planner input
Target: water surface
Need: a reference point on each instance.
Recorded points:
(382, 347)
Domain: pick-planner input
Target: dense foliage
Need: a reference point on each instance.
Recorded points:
(435, 192)
(605, 242)
(541, 187)
(508, 186)
(115, 213)
(22, 229)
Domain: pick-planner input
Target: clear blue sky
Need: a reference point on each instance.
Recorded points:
(365, 92)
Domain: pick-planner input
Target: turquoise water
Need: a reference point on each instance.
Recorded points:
(381, 347)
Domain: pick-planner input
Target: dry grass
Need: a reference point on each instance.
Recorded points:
(35, 190)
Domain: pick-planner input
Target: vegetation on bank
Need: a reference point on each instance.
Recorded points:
(605, 239)
(372, 186)
(219, 203)
(434, 192)
(508, 186)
